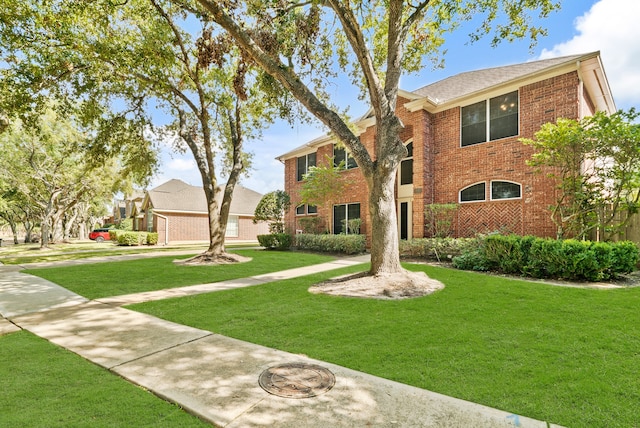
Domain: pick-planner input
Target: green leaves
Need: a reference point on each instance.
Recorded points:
(597, 163)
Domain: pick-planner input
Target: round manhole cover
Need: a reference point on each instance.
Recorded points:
(297, 380)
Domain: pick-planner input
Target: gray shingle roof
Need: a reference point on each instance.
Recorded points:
(176, 195)
(473, 81)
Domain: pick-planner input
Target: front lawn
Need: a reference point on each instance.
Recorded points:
(42, 385)
(133, 276)
(565, 355)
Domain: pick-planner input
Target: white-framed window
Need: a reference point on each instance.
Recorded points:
(303, 209)
(149, 220)
(303, 163)
(474, 193)
(505, 190)
(340, 154)
(489, 120)
(406, 167)
(342, 214)
(232, 227)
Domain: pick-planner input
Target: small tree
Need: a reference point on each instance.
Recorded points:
(596, 161)
(271, 208)
(323, 185)
(439, 219)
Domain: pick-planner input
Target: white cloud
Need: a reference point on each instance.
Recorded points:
(181, 164)
(610, 26)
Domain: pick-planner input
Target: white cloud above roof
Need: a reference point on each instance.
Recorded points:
(610, 26)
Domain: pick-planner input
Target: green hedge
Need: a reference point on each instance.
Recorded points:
(277, 241)
(549, 258)
(347, 244)
(152, 238)
(436, 249)
(132, 238)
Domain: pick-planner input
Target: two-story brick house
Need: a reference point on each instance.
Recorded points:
(462, 135)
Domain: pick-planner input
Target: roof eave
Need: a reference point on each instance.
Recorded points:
(433, 107)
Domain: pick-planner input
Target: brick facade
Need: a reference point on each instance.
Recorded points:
(442, 168)
(195, 227)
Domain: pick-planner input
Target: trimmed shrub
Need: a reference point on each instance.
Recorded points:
(507, 253)
(436, 249)
(152, 238)
(132, 238)
(471, 260)
(568, 259)
(277, 241)
(347, 244)
(624, 257)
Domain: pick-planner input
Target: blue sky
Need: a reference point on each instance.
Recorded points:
(581, 26)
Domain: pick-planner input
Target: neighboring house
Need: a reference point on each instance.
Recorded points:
(178, 212)
(124, 208)
(462, 134)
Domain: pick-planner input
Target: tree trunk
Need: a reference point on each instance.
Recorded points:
(216, 231)
(385, 258)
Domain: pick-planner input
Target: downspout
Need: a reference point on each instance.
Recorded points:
(580, 91)
(166, 227)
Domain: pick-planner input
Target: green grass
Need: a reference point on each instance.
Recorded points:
(565, 355)
(133, 276)
(42, 385)
(31, 253)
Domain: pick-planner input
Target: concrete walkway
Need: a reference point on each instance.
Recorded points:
(216, 377)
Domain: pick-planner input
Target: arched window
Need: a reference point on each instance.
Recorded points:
(473, 193)
(505, 190)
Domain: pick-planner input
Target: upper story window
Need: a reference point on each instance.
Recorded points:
(490, 119)
(340, 154)
(505, 190)
(406, 167)
(303, 164)
(473, 193)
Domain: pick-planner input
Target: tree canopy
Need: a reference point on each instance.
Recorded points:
(304, 45)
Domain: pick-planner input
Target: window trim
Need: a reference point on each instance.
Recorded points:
(307, 166)
(346, 205)
(471, 185)
(306, 210)
(408, 158)
(347, 159)
(488, 120)
(491, 198)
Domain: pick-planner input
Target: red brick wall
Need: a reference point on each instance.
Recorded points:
(442, 168)
(195, 227)
(458, 167)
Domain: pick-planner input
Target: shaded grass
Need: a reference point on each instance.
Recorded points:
(42, 385)
(565, 355)
(133, 276)
(31, 253)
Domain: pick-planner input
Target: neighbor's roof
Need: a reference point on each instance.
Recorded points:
(458, 89)
(178, 196)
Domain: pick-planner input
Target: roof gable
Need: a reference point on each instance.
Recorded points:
(178, 196)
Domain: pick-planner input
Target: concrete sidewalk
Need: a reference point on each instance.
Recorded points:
(216, 377)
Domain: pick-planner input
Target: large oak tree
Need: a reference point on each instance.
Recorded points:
(150, 56)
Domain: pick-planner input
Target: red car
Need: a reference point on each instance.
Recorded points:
(99, 235)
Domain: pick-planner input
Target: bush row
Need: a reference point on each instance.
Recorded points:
(436, 249)
(550, 258)
(277, 241)
(347, 244)
(134, 238)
